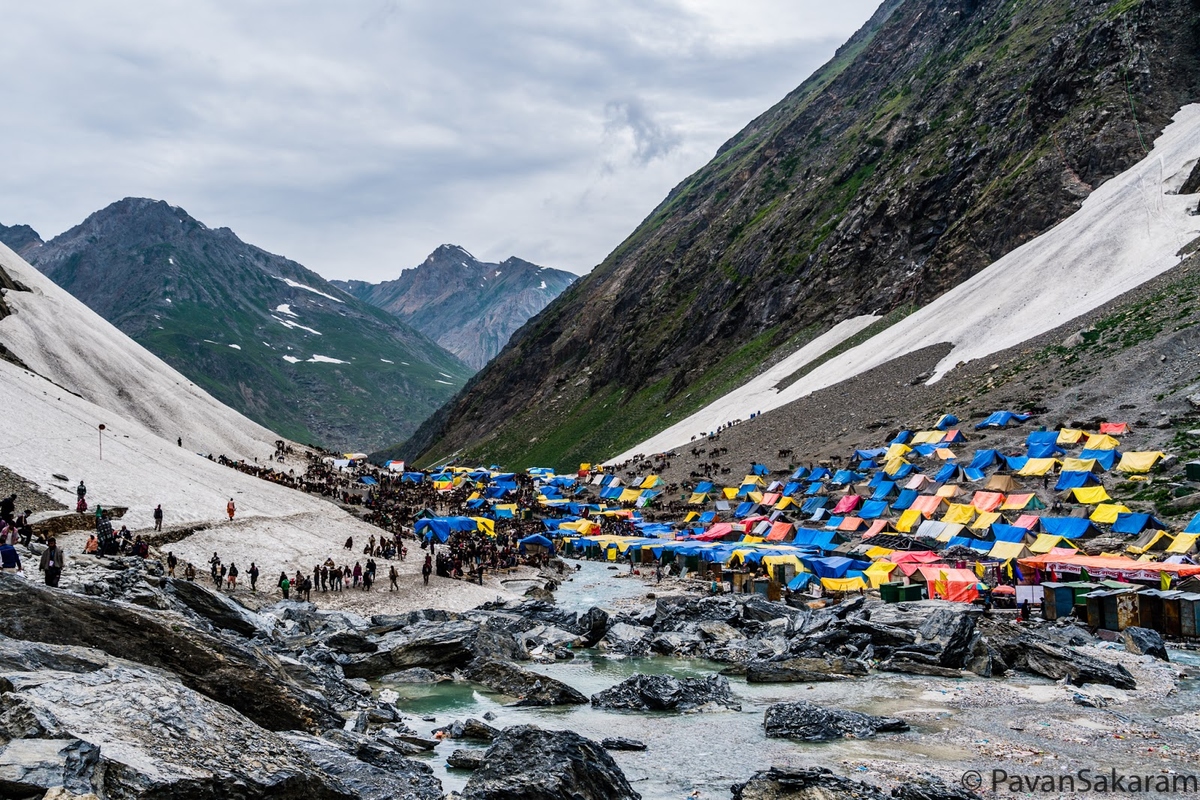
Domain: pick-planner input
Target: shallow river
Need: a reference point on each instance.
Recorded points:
(705, 751)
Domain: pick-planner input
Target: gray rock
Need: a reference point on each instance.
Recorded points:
(416, 675)
(530, 688)
(1057, 662)
(812, 723)
(622, 743)
(465, 759)
(350, 642)
(470, 728)
(216, 608)
(666, 693)
(913, 666)
(444, 646)
(533, 764)
(30, 766)
(1145, 642)
(405, 779)
(818, 783)
(805, 670)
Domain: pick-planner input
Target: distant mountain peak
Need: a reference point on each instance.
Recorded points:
(468, 306)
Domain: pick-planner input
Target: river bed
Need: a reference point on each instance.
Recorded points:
(957, 724)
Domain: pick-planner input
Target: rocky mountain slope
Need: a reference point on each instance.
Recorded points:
(469, 307)
(939, 138)
(259, 332)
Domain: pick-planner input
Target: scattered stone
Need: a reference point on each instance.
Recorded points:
(622, 743)
(666, 693)
(812, 723)
(465, 759)
(530, 688)
(533, 764)
(804, 670)
(1145, 642)
(468, 729)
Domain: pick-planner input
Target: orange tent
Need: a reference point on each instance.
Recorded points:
(947, 583)
(987, 501)
(1108, 566)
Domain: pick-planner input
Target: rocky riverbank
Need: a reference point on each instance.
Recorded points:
(138, 685)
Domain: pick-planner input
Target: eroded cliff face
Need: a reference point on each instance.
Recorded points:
(940, 137)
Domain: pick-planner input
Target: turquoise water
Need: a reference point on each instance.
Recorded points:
(706, 751)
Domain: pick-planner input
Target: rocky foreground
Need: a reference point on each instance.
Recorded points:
(142, 686)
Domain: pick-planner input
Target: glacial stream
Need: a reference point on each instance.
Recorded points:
(706, 751)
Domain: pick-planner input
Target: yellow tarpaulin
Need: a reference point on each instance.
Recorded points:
(1107, 513)
(1038, 466)
(652, 482)
(1101, 441)
(1154, 540)
(986, 520)
(928, 437)
(775, 561)
(950, 531)
(1006, 550)
(786, 502)
(1184, 543)
(1090, 495)
(945, 454)
(893, 466)
(844, 584)
(1069, 436)
(697, 499)
(1079, 465)
(1142, 461)
(754, 480)
(474, 496)
(754, 497)
(486, 525)
(1045, 542)
(630, 495)
(878, 552)
(691, 515)
(959, 513)
(949, 490)
(896, 451)
(730, 492)
(907, 520)
(879, 572)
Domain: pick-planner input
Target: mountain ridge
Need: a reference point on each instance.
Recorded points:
(260, 332)
(468, 306)
(940, 137)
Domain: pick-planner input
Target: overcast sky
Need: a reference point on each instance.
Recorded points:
(354, 137)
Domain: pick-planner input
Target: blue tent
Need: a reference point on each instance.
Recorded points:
(832, 566)
(799, 473)
(946, 422)
(744, 509)
(983, 459)
(1042, 450)
(946, 473)
(798, 583)
(1068, 527)
(1074, 480)
(441, 527)
(1105, 458)
(412, 477)
(873, 509)
(884, 490)
(973, 475)
(845, 476)
(813, 504)
(924, 450)
(903, 471)
(807, 537)
(1041, 437)
(905, 500)
(901, 438)
(863, 466)
(813, 487)
(1008, 533)
(867, 455)
(967, 541)
(1135, 523)
(1194, 525)
(760, 469)
(791, 488)
(708, 516)
(1000, 419)
(818, 473)
(703, 487)
(876, 479)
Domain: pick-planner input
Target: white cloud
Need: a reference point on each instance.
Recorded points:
(355, 138)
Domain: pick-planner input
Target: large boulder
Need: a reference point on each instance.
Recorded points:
(681, 612)
(471, 729)
(804, 670)
(818, 783)
(244, 677)
(1057, 662)
(530, 688)
(667, 693)
(127, 731)
(439, 646)
(216, 608)
(397, 779)
(593, 624)
(812, 723)
(1145, 642)
(528, 763)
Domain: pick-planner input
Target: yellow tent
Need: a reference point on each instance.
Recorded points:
(945, 454)
(777, 560)
(1148, 546)
(1038, 466)
(1107, 513)
(927, 437)
(697, 499)
(1069, 436)
(879, 572)
(691, 515)
(893, 466)
(652, 482)
(730, 492)
(1142, 461)
(896, 451)
(1090, 495)
(753, 479)
(878, 552)
(844, 584)
(908, 519)
(1101, 441)
(474, 496)
(785, 502)
(1080, 465)
(959, 513)
(630, 495)
(486, 525)
(986, 520)
(1006, 550)
(584, 467)
(1045, 542)
(949, 490)
(1184, 543)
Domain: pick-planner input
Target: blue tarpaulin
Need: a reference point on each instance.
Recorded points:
(1136, 523)
(1194, 525)
(946, 422)
(800, 582)
(1042, 450)
(1000, 419)
(905, 500)
(813, 504)
(760, 469)
(1067, 527)
(1008, 533)
(884, 490)
(441, 527)
(873, 509)
(1074, 480)
(1105, 458)
(947, 473)
(984, 459)
(845, 476)
(832, 566)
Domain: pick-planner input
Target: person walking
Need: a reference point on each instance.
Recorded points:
(230, 509)
(10, 560)
(52, 562)
(158, 515)
(284, 584)
(427, 569)
(80, 498)
(357, 575)
(172, 562)
(231, 579)
(215, 564)
(253, 577)
(393, 576)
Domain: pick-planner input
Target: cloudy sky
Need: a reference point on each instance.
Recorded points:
(355, 137)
